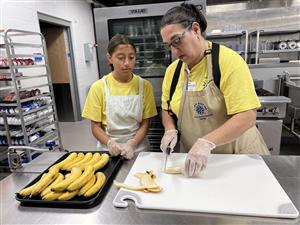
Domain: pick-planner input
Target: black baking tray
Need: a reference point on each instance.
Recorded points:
(110, 170)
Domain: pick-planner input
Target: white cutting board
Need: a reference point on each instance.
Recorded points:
(231, 184)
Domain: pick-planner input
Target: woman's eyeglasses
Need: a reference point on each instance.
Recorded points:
(177, 41)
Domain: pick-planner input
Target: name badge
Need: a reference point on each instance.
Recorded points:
(191, 86)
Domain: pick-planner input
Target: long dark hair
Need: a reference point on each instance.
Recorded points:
(185, 15)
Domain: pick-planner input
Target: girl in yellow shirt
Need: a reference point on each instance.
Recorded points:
(121, 104)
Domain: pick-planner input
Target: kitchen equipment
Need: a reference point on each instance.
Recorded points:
(141, 23)
(270, 118)
(231, 184)
(110, 170)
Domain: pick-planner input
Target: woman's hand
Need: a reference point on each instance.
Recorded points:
(169, 138)
(197, 157)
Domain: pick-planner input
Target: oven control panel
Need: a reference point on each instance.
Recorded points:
(272, 107)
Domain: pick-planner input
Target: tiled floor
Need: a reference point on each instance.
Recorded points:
(77, 136)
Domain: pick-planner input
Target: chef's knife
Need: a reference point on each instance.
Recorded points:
(167, 153)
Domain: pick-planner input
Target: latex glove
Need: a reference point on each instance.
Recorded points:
(169, 138)
(127, 150)
(197, 157)
(114, 147)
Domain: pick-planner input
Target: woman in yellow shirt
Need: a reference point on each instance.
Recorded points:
(214, 115)
(121, 104)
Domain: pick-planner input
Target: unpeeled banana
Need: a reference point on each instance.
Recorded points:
(62, 185)
(45, 181)
(87, 157)
(71, 157)
(27, 191)
(96, 158)
(67, 166)
(51, 196)
(83, 179)
(87, 186)
(103, 161)
(59, 178)
(97, 186)
(67, 195)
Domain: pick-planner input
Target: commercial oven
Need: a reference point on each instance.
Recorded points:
(141, 23)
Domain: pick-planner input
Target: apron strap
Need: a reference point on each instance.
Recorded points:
(105, 86)
(215, 63)
(141, 96)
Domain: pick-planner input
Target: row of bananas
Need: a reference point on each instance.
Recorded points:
(80, 181)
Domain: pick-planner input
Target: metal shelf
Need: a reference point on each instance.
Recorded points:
(14, 39)
(38, 109)
(34, 87)
(40, 128)
(272, 32)
(226, 34)
(26, 45)
(38, 119)
(26, 66)
(47, 136)
(279, 51)
(31, 77)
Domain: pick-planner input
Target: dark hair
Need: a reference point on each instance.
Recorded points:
(118, 39)
(185, 14)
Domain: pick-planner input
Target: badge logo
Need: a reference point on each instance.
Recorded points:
(201, 111)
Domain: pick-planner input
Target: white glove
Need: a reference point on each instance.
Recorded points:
(196, 160)
(169, 138)
(114, 147)
(127, 150)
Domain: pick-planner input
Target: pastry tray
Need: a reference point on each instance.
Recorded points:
(110, 170)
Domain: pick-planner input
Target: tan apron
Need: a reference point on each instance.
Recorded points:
(204, 111)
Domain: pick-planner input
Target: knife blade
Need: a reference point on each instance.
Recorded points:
(167, 154)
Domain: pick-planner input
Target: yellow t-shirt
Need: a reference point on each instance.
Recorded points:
(236, 82)
(95, 104)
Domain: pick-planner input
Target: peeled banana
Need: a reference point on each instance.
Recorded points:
(173, 170)
(62, 185)
(83, 179)
(97, 186)
(103, 161)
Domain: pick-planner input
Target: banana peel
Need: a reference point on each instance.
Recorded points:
(147, 183)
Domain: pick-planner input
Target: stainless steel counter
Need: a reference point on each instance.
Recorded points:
(285, 168)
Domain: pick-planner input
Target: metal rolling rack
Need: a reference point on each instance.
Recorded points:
(282, 44)
(236, 40)
(19, 44)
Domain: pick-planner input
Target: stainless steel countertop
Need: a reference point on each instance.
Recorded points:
(285, 168)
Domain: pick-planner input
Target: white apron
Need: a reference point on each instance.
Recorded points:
(124, 115)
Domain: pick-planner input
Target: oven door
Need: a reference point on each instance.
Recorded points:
(271, 131)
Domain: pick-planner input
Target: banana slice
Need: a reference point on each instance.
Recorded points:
(173, 170)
